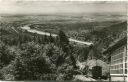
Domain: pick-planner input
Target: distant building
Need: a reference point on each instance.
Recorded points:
(118, 59)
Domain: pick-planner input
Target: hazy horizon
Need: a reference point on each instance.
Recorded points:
(61, 7)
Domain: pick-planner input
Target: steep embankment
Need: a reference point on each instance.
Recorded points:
(109, 34)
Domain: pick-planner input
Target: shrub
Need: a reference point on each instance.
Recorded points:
(33, 64)
(5, 55)
(65, 72)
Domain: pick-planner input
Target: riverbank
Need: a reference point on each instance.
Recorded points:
(54, 35)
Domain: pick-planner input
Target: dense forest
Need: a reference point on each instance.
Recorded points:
(30, 56)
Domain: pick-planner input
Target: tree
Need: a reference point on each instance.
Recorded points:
(46, 39)
(66, 47)
(33, 63)
(19, 70)
(51, 38)
(65, 72)
(63, 42)
(5, 55)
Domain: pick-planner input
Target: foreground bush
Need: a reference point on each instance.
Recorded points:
(6, 56)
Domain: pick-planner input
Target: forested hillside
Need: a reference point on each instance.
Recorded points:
(106, 34)
(30, 56)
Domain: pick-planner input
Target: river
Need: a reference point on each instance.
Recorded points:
(54, 35)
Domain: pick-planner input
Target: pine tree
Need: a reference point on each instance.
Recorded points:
(66, 47)
(63, 41)
(51, 38)
(46, 39)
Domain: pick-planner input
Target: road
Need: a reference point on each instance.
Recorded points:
(54, 35)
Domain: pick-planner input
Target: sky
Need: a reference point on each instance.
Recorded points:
(54, 7)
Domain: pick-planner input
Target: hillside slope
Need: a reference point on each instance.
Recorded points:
(109, 34)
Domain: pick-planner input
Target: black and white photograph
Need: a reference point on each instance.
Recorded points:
(63, 40)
